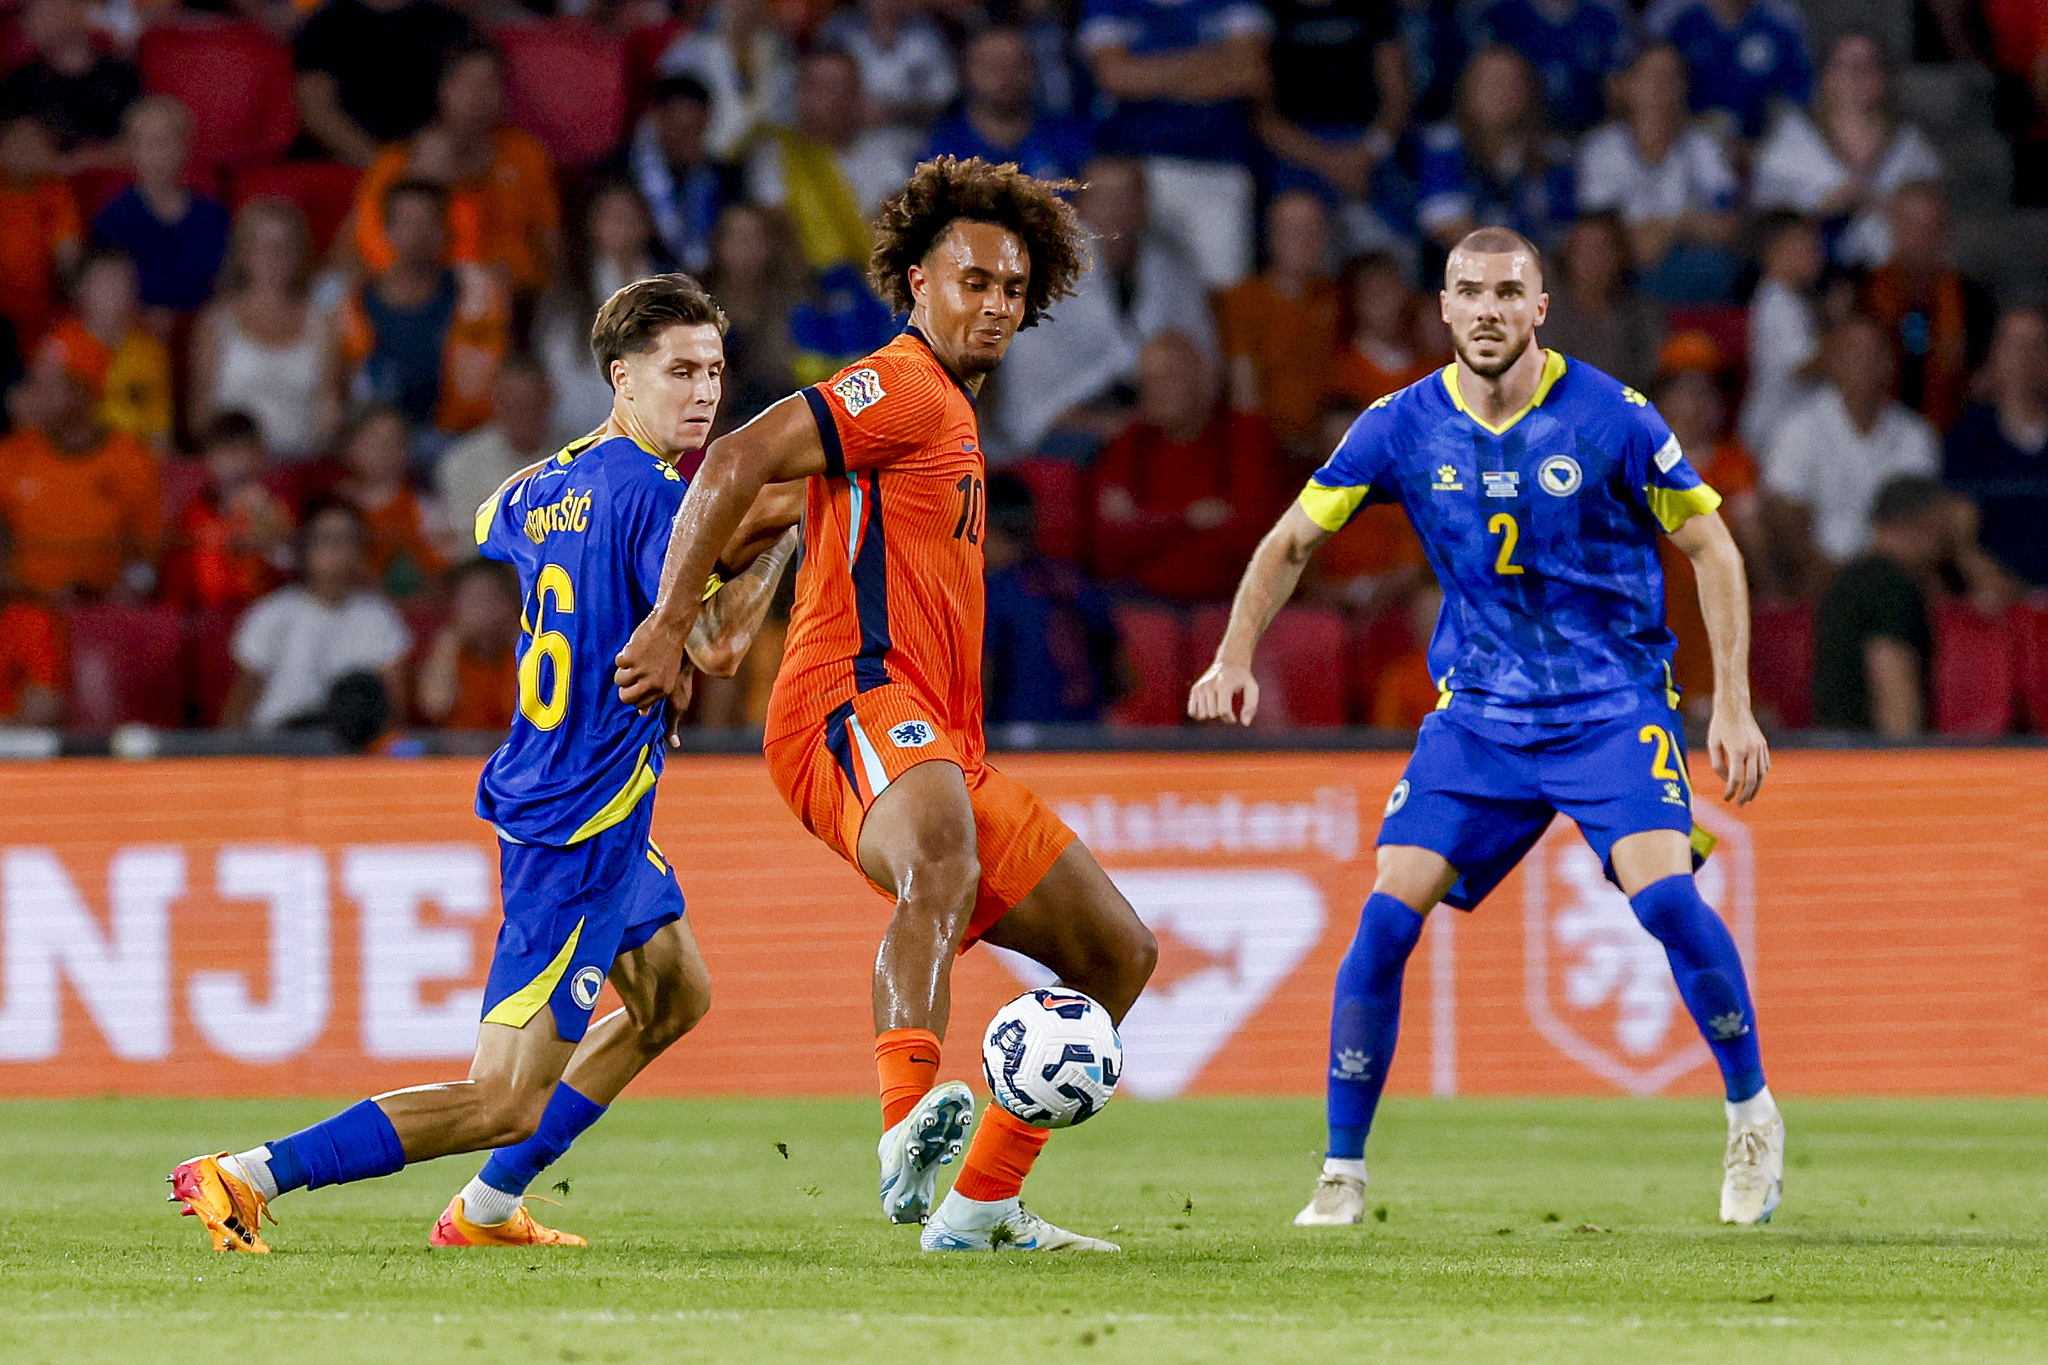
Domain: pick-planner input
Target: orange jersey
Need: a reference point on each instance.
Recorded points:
(891, 586)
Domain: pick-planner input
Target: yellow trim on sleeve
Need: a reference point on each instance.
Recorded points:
(486, 513)
(517, 1009)
(621, 805)
(1553, 370)
(1674, 507)
(1330, 508)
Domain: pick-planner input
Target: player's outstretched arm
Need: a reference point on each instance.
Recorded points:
(1269, 581)
(725, 628)
(780, 445)
(1735, 744)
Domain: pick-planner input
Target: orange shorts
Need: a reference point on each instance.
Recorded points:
(831, 776)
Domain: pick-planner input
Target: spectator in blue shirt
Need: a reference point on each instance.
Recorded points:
(999, 120)
(1433, 40)
(1495, 164)
(1575, 46)
(1051, 654)
(1744, 55)
(176, 238)
(1998, 451)
(1184, 75)
(684, 186)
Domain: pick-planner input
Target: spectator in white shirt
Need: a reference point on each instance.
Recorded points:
(1669, 180)
(747, 68)
(295, 645)
(1843, 163)
(1077, 368)
(1831, 456)
(906, 68)
(1784, 331)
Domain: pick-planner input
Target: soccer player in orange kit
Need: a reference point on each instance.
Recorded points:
(874, 732)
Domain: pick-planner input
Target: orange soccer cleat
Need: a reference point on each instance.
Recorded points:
(232, 1209)
(520, 1230)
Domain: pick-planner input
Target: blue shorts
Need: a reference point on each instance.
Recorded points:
(569, 914)
(1481, 792)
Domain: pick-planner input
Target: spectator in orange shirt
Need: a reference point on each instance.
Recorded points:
(104, 342)
(1377, 320)
(40, 228)
(503, 207)
(408, 546)
(1940, 323)
(469, 677)
(1405, 694)
(233, 543)
(1279, 328)
(31, 660)
(85, 503)
(1183, 495)
(421, 336)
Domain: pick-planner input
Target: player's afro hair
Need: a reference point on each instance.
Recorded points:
(943, 191)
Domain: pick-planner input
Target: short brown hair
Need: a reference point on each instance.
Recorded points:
(632, 319)
(1499, 241)
(944, 191)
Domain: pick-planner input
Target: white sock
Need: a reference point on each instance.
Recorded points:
(1337, 1165)
(254, 1167)
(1756, 1111)
(958, 1211)
(486, 1206)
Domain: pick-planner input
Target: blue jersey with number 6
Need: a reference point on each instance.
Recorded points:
(587, 534)
(1543, 532)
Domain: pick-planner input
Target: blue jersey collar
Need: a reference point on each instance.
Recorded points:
(1553, 370)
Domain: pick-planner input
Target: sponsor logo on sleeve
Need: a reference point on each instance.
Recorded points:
(1669, 454)
(858, 391)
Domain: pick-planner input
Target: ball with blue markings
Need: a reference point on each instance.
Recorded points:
(1052, 1057)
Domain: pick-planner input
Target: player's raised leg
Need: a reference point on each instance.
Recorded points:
(666, 991)
(1365, 1021)
(1654, 868)
(501, 1103)
(919, 839)
(1075, 922)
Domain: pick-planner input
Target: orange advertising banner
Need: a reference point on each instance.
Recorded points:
(255, 927)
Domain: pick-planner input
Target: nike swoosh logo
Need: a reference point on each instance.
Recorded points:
(925, 1061)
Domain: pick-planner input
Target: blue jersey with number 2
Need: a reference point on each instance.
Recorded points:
(1543, 533)
(587, 534)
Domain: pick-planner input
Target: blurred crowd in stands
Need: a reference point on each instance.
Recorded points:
(286, 289)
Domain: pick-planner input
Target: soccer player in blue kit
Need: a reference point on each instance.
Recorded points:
(1538, 486)
(588, 895)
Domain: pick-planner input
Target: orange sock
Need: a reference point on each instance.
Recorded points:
(907, 1060)
(1000, 1156)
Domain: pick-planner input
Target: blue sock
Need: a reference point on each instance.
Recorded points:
(359, 1143)
(1709, 974)
(1365, 1018)
(512, 1169)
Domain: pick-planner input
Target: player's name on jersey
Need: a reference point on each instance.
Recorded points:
(571, 513)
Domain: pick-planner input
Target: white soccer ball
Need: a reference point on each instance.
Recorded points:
(1052, 1057)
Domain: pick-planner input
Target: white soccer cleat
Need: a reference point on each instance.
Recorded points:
(1017, 1229)
(1754, 1181)
(1339, 1201)
(930, 1136)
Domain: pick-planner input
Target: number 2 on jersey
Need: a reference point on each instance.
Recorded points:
(1660, 765)
(547, 712)
(1504, 526)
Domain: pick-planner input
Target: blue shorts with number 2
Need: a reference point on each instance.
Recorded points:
(1481, 791)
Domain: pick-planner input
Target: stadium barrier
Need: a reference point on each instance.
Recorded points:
(267, 926)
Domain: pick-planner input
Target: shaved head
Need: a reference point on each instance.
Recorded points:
(1495, 241)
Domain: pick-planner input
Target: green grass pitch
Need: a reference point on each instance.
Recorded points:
(1524, 1231)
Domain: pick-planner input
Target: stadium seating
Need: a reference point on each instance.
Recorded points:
(1781, 663)
(209, 662)
(1300, 664)
(183, 480)
(1056, 499)
(1974, 682)
(1726, 325)
(1372, 643)
(325, 191)
(565, 82)
(644, 46)
(235, 78)
(125, 667)
(1156, 648)
(2030, 626)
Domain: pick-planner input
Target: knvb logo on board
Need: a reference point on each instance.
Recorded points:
(1598, 985)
